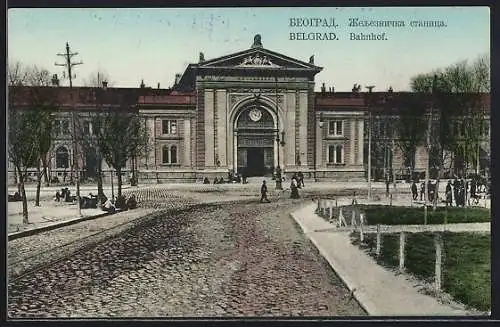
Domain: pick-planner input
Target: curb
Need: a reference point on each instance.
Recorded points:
(366, 304)
(30, 232)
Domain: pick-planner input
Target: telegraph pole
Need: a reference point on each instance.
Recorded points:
(68, 65)
(370, 88)
(429, 130)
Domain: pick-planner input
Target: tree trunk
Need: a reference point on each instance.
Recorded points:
(100, 192)
(440, 173)
(38, 184)
(23, 195)
(45, 172)
(119, 173)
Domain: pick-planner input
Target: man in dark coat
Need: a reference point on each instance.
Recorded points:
(414, 190)
(263, 193)
(301, 179)
(294, 189)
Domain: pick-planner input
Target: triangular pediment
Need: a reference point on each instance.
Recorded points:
(257, 58)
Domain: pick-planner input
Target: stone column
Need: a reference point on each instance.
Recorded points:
(290, 131)
(319, 145)
(209, 128)
(221, 101)
(361, 142)
(187, 143)
(352, 153)
(303, 105)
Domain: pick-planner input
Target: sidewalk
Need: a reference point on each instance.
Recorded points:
(380, 291)
(49, 213)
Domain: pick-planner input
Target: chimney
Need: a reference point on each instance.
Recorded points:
(323, 88)
(55, 80)
(142, 84)
(104, 84)
(332, 89)
(158, 85)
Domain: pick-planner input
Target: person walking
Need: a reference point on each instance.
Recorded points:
(294, 189)
(263, 193)
(301, 178)
(449, 194)
(414, 190)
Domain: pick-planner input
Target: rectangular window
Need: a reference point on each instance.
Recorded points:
(57, 128)
(86, 127)
(336, 154)
(335, 127)
(65, 127)
(169, 127)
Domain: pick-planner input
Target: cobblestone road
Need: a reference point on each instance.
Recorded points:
(215, 260)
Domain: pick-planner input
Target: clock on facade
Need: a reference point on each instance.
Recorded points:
(255, 114)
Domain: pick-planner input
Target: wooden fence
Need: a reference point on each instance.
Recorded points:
(327, 207)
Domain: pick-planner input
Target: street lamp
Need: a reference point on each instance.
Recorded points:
(321, 122)
(279, 185)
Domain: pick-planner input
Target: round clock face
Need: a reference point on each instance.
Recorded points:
(255, 114)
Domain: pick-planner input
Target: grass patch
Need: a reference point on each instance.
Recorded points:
(391, 215)
(467, 269)
(466, 262)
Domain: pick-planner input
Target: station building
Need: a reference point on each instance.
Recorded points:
(247, 112)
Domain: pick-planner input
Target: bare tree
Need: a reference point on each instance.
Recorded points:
(121, 135)
(30, 113)
(457, 126)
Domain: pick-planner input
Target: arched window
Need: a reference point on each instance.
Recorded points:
(62, 157)
(173, 154)
(164, 156)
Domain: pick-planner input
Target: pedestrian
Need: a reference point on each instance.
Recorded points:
(296, 177)
(263, 193)
(294, 189)
(109, 206)
(422, 191)
(473, 195)
(414, 190)
(58, 196)
(301, 178)
(132, 202)
(448, 194)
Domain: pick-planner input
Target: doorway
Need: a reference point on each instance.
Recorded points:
(255, 162)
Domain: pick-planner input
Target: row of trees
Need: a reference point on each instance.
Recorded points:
(453, 96)
(117, 134)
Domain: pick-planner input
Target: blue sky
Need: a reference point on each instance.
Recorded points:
(156, 43)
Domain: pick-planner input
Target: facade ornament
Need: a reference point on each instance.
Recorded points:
(202, 57)
(257, 60)
(257, 41)
(255, 114)
(311, 60)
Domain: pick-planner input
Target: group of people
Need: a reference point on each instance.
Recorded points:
(431, 190)
(457, 191)
(65, 195)
(112, 205)
(297, 182)
(90, 201)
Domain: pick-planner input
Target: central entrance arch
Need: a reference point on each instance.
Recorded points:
(255, 137)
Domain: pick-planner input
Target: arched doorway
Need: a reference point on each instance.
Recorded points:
(255, 136)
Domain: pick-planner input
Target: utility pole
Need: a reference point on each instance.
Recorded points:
(370, 88)
(68, 65)
(429, 130)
